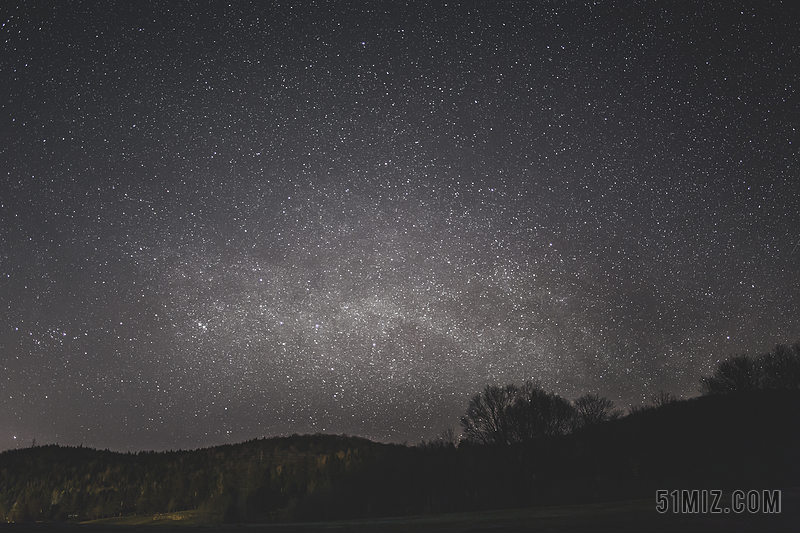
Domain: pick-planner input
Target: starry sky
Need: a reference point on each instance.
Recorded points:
(229, 220)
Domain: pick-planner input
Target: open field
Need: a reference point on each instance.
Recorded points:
(627, 516)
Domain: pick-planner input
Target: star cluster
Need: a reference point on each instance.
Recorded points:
(240, 219)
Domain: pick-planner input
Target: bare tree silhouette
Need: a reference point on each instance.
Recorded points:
(487, 419)
(591, 409)
(510, 414)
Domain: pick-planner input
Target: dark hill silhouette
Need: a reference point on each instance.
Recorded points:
(723, 442)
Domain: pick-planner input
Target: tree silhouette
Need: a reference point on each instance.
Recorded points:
(778, 369)
(487, 419)
(511, 414)
(738, 373)
(591, 409)
(663, 398)
(536, 413)
(781, 368)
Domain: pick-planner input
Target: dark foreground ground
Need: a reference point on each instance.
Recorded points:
(630, 516)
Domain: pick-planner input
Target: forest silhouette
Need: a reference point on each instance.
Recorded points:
(521, 447)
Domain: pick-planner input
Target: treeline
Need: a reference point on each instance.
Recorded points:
(775, 370)
(512, 414)
(516, 414)
(521, 447)
(56, 483)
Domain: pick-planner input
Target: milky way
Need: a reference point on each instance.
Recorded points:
(235, 221)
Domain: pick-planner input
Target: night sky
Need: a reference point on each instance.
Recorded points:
(229, 220)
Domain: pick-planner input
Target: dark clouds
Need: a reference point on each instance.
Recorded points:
(244, 220)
